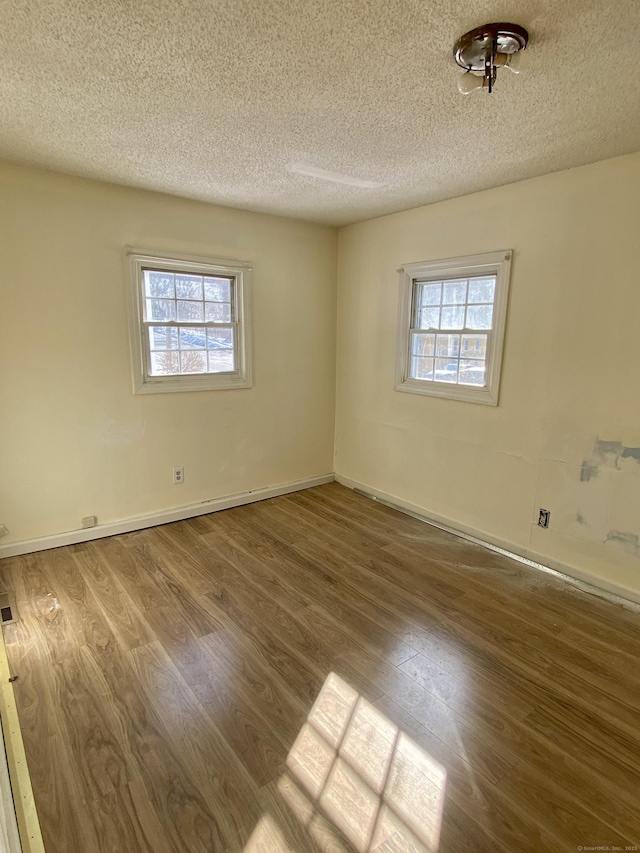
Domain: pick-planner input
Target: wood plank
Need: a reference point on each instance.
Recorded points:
(474, 794)
(487, 754)
(226, 786)
(290, 642)
(362, 613)
(123, 616)
(323, 558)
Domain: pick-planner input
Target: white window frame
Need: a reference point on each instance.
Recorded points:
(143, 382)
(489, 263)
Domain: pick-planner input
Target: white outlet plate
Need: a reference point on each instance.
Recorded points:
(178, 476)
(3, 530)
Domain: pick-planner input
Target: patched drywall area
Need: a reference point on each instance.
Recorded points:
(598, 501)
(566, 433)
(613, 471)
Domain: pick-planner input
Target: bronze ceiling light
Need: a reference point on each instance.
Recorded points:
(483, 50)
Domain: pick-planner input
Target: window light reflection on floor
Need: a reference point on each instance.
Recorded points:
(352, 768)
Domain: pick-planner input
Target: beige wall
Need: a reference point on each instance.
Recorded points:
(571, 371)
(75, 441)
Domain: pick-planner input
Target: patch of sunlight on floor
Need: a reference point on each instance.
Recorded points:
(267, 837)
(354, 775)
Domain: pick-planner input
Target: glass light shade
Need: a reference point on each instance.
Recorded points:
(468, 83)
(515, 62)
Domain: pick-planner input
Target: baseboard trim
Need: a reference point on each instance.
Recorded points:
(576, 577)
(73, 537)
(584, 580)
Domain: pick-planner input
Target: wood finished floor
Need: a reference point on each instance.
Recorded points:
(165, 675)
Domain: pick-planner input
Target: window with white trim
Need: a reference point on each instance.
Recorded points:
(451, 325)
(189, 323)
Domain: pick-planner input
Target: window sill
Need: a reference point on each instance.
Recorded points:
(448, 391)
(196, 383)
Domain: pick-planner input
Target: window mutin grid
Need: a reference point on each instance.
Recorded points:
(451, 324)
(189, 322)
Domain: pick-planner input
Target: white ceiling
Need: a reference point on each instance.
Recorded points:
(214, 99)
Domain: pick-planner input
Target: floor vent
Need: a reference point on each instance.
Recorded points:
(6, 608)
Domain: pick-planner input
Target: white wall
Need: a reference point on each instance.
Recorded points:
(74, 440)
(571, 372)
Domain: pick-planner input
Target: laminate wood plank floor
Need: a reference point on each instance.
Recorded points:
(318, 672)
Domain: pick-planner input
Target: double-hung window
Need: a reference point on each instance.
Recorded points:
(189, 323)
(451, 326)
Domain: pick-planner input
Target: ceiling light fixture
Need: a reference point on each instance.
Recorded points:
(483, 50)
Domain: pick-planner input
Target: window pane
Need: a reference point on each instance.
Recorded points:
(165, 363)
(188, 286)
(220, 339)
(159, 284)
(446, 370)
(430, 294)
(221, 361)
(448, 345)
(429, 318)
(217, 312)
(163, 337)
(421, 368)
(472, 372)
(452, 318)
(190, 311)
(451, 330)
(161, 309)
(193, 362)
(190, 327)
(192, 337)
(474, 346)
(454, 293)
(424, 345)
(217, 289)
(481, 289)
(479, 316)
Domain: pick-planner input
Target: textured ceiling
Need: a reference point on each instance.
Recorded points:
(215, 99)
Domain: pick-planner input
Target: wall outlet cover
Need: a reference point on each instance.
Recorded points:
(544, 516)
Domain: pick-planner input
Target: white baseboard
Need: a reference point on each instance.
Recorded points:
(72, 537)
(584, 580)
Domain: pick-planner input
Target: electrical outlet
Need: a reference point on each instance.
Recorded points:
(178, 475)
(3, 530)
(543, 517)
(89, 521)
